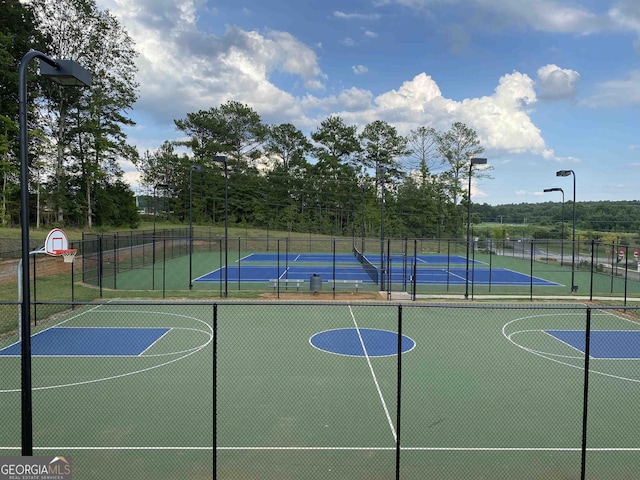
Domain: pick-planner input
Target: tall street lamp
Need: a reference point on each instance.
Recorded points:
(382, 171)
(566, 173)
(547, 190)
(65, 73)
(194, 168)
(223, 159)
(473, 161)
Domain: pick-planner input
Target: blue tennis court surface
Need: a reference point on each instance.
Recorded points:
(66, 341)
(430, 270)
(350, 258)
(603, 343)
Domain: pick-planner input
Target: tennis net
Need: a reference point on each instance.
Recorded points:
(366, 264)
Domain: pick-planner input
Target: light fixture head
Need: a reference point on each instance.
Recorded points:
(66, 73)
(563, 173)
(478, 161)
(196, 168)
(556, 189)
(220, 158)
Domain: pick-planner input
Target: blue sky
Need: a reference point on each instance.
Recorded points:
(546, 84)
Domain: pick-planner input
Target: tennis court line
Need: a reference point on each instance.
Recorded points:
(111, 448)
(447, 449)
(407, 449)
(375, 379)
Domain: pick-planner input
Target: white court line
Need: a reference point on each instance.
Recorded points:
(111, 448)
(446, 449)
(407, 449)
(386, 410)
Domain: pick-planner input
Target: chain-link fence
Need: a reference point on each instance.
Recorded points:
(317, 390)
(171, 261)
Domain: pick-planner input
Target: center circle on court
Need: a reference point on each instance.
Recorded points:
(361, 342)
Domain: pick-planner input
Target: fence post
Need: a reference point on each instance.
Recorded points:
(278, 272)
(399, 392)
(164, 265)
(115, 261)
(531, 248)
(626, 273)
(215, 384)
(414, 280)
(34, 290)
(73, 306)
(100, 258)
(587, 339)
(593, 244)
(334, 268)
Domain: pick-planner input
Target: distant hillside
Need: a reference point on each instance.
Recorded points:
(605, 216)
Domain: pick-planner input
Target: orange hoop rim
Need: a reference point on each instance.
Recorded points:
(68, 254)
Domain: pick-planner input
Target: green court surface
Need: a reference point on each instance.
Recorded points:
(129, 416)
(476, 402)
(485, 392)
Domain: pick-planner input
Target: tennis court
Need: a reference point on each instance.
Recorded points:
(426, 269)
(317, 390)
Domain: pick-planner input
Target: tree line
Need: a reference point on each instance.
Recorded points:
(546, 219)
(333, 181)
(75, 135)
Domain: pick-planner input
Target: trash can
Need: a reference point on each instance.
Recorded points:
(315, 283)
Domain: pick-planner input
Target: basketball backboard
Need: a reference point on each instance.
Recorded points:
(56, 242)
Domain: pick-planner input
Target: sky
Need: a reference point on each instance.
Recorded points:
(547, 85)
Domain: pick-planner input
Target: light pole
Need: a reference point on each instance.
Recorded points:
(223, 159)
(566, 173)
(363, 188)
(547, 190)
(472, 162)
(194, 168)
(381, 171)
(65, 73)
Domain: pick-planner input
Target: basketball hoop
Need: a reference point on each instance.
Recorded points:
(68, 255)
(57, 245)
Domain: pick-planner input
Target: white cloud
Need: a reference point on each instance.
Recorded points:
(351, 100)
(501, 120)
(184, 70)
(199, 70)
(557, 83)
(543, 15)
(625, 15)
(614, 93)
(358, 16)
